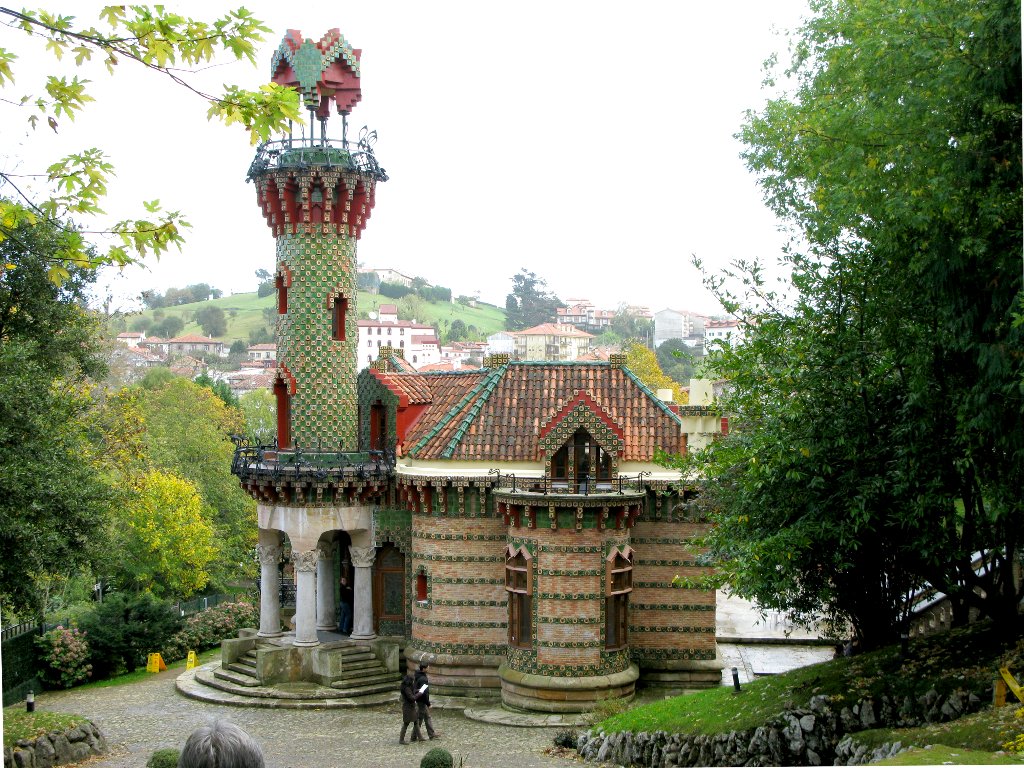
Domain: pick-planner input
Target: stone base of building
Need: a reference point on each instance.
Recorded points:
(541, 693)
(459, 676)
(677, 675)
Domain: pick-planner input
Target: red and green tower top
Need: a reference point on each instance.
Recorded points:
(316, 194)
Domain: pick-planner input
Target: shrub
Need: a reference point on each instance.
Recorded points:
(207, 628)
(163, 758)
(64, 656)
(566, 738)
(437, 758)
(123, 630)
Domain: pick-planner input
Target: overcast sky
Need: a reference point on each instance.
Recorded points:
(591, 143)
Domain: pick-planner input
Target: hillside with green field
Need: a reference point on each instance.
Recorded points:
(247, 313)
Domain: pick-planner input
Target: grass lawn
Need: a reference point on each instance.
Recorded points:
(19, 724)
(940, 754)
(965, 659)
(141, 673)
(245, 313)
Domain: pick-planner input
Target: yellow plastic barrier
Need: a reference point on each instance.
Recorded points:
(193, 660)
(155, 663)
(1012, 684)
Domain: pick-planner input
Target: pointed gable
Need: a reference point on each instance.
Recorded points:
(584, 412)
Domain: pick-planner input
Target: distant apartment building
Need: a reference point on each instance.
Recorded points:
(552, 341)
(679, 324)
(263, 355)
(131, 338)
(192, 343)
(722, 330)
(501, 343)
(583, 314)
(418, 342)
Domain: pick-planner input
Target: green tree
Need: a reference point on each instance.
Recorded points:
(643, 363)
(167, 328)
(212, 320)
(260, 411)
(529, 304)
(52, 503)
(677, 360)
(457, 330)
(188, 434)
(124, 629)
(162, 41)
(167, 544)
(880, 406)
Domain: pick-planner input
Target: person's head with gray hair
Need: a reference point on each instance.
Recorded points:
(220, 745)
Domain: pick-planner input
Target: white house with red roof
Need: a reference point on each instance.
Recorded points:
(418, 342)
(552, 341)
(191, 343)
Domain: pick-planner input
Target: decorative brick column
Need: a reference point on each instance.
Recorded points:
(326, 602)
(362, 563)
(270, 588)
(305, 598)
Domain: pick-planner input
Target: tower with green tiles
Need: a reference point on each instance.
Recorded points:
(316, 195)
(316, 485)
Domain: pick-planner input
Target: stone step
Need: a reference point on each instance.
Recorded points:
(248, 661)
(350, 682)
(242, 669)
(366, 669)
(200, 684)
(237, 678)
(366, 690)
(361, 664)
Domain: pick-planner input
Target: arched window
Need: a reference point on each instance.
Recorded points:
(619, 585)
(581, 462)
(282, 293)
(284, 413)
(519, 586)
(338, 312)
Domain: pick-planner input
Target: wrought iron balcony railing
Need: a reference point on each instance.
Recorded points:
(305, 153)
(587, 486)
(251, 462)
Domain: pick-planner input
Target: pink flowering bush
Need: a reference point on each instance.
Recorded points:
(64, 656)
(207, 628)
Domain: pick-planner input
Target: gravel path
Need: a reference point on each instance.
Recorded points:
(151, 714)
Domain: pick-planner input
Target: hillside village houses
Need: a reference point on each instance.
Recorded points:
(552, 341)
(722, 330)
(263, 355)
(418, 342)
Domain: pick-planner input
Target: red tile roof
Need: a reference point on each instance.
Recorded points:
(192, 338)
(499, 414)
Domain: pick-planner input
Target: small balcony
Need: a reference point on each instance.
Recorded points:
(287, 475)
(623, 486)
(322, 153)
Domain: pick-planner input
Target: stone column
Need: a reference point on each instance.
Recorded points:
(270, 590)
(326, 601)
(305, 597)
(362, 586)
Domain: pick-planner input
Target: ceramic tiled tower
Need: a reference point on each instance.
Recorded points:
(316, 196)
(316, 484)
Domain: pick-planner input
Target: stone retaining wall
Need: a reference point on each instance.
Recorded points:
(56, 748)
(813, 735)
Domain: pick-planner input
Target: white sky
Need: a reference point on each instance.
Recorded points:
(591, 143)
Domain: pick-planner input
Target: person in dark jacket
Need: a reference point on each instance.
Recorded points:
(345, 607)
(422, 687)
(409, 713)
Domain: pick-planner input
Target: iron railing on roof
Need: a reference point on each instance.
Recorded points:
(321, 153)
(586, 486)
(298, 463)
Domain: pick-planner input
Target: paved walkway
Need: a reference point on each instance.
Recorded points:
(149, 715)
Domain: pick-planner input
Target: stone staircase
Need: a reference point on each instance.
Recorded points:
(363, 674)
(363, 681)
(241, 672)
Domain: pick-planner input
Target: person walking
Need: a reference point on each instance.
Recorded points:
(345, 608)
(409, 710)
(422, 686)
